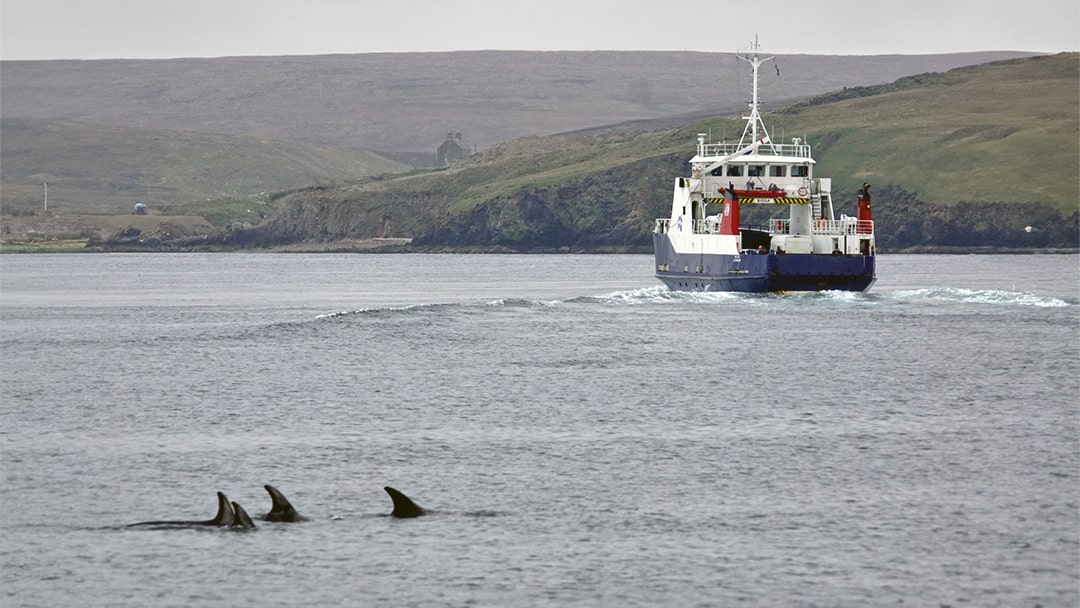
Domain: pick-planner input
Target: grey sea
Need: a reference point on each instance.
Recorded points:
(581, 435)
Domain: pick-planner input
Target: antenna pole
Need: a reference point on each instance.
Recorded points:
(754, 119)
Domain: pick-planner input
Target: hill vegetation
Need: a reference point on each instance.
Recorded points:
(403, 104)
(107, 133)
(1006, 131)
(96, 169)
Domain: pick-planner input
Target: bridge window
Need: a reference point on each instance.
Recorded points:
(734, 170)
(756, 170)
(777, 170)
(800, 171)
(717, 171)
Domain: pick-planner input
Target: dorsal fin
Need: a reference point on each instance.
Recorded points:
(403, 505)
(282, 509)
(242, 519)
(225, 514)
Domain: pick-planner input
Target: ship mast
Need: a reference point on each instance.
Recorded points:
(754, 119)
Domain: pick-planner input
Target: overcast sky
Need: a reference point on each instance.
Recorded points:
(93, 29)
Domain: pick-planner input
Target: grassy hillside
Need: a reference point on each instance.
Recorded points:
(1006, 131)
(94, 168)
(407, 102)
(107, 133)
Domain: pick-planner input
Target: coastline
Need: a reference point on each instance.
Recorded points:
(389, 245)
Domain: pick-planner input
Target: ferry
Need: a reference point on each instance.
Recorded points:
(702, 246)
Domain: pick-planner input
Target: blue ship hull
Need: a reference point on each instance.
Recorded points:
(764, 272)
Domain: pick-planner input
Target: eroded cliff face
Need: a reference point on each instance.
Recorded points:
(903, 222)
(613, 210)
(324, 215)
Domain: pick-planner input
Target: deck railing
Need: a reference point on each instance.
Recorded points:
(790, 150)
(840, 227)
(827, 227)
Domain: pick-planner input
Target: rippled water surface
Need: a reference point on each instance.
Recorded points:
(582, 436)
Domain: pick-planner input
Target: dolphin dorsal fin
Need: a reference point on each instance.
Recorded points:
(225, 514)
(242, 518)
(280, 502)
(282, 509)
(403, 505)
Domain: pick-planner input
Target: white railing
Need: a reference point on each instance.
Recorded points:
(791, 150)
(827, 227)
(843, 226)
(849, 226)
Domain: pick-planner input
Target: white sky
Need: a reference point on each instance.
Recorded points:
(93, 29)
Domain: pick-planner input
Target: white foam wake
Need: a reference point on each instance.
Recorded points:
(981, 296)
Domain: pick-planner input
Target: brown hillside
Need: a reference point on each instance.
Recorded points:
(408, 102)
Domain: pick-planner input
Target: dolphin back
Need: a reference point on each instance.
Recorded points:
(224, 517)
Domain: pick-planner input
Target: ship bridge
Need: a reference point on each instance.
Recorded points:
(778, 173)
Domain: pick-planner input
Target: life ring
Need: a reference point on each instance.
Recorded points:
(802, 191)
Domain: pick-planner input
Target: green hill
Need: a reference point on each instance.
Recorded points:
(1007, 131)
(406, 102)
(105, 169)
(1000, 132)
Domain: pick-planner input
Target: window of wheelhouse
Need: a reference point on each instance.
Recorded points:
(734, 170)
(800, 171)
(755, 170)
(777, 170)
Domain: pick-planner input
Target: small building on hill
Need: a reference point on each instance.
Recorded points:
(451, 150)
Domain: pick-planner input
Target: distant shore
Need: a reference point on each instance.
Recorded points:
(402, 245)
